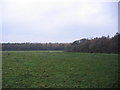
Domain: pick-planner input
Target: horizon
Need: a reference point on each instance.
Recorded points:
(57, 22)
(62, 42)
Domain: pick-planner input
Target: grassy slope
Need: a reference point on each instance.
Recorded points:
(36, 69)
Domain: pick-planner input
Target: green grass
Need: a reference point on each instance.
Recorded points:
(44, 69)
(0, 69)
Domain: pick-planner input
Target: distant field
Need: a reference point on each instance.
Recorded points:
(57, 69)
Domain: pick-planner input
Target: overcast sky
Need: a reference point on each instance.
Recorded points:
(57, 20)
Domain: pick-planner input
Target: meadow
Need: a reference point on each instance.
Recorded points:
(58, 69)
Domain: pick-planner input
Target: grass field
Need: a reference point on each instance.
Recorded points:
(57, 69)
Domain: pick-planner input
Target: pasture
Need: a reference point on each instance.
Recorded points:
(57, 69)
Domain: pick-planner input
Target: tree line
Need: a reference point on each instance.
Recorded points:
(95, 45)
(33, 46)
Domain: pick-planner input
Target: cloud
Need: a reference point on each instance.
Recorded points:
(0, 21)
(49, 20)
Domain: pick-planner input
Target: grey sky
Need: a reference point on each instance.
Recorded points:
(57, 21)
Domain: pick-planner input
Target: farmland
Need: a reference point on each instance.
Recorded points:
(58, 69)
